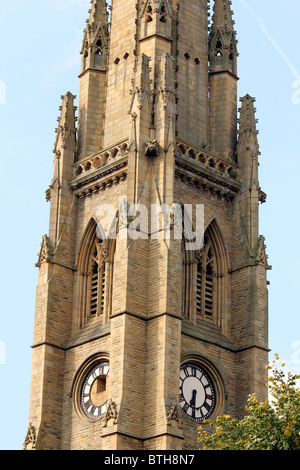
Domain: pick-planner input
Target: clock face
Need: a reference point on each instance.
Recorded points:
(197, 394)
(93, 396)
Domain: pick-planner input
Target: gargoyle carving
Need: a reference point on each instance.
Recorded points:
(151, 148)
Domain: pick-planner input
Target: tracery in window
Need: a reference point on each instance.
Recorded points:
(163, 12)
(99, 47)
(204, 279)
(149, 14)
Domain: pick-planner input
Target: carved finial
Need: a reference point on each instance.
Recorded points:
(30, 439)
(111, 413)
(247, 123)
(261, 255)
(223, 15)
(98, 12)
(173, 415)
(45, 253)
(66, 123)
(247, 119)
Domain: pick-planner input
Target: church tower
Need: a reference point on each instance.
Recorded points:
(151, 305)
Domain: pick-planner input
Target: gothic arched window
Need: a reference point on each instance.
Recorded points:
(99, 47)
(149, 14)
(95, 276)
(163, 12)
(97, 287)
(204, 279)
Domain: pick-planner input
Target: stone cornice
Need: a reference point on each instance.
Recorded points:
(200, 176)
(100, 178)
(92, 69)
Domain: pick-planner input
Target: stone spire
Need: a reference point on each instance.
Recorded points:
(223, 81)
(222, 16)
(247, 124)
(66, 130)
(222, 43)
(98, 12)
(64, 157)
(96, 35)
(247, 155)
(94, 65)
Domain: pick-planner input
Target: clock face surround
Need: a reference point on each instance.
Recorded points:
(197, 393)
(93, 394)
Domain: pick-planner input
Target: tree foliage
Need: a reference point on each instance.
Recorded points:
(270, 425)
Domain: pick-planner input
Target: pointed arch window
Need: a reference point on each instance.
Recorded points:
(95, 281)
(163, 13)
(149, 13)
(99, 47)
(204, 279)
(98, 52)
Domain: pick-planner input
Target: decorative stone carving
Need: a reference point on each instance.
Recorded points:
(261, 255)
(100, 160)
(48, 194)
(66, 125)
(30, 439)
(111, 413)
(174, 415)
(45, 252)
(151, 148)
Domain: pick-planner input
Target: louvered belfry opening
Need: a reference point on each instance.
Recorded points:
(94, 290)
(95, 281)
(205, 281)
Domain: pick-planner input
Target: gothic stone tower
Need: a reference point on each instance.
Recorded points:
(138, 339)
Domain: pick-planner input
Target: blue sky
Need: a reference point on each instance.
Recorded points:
(40, 61)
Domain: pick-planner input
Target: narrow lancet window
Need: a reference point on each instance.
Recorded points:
(97, 282)
(94, 290)
(205, 282)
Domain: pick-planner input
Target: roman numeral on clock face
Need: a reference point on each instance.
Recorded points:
(196, 392)
(206, 406)
(185, 407)
(89, 391)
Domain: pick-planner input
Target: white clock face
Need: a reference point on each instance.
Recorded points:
(197, 393)
(93, 396)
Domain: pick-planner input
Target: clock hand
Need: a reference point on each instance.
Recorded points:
(193, 403)
(193, 400)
